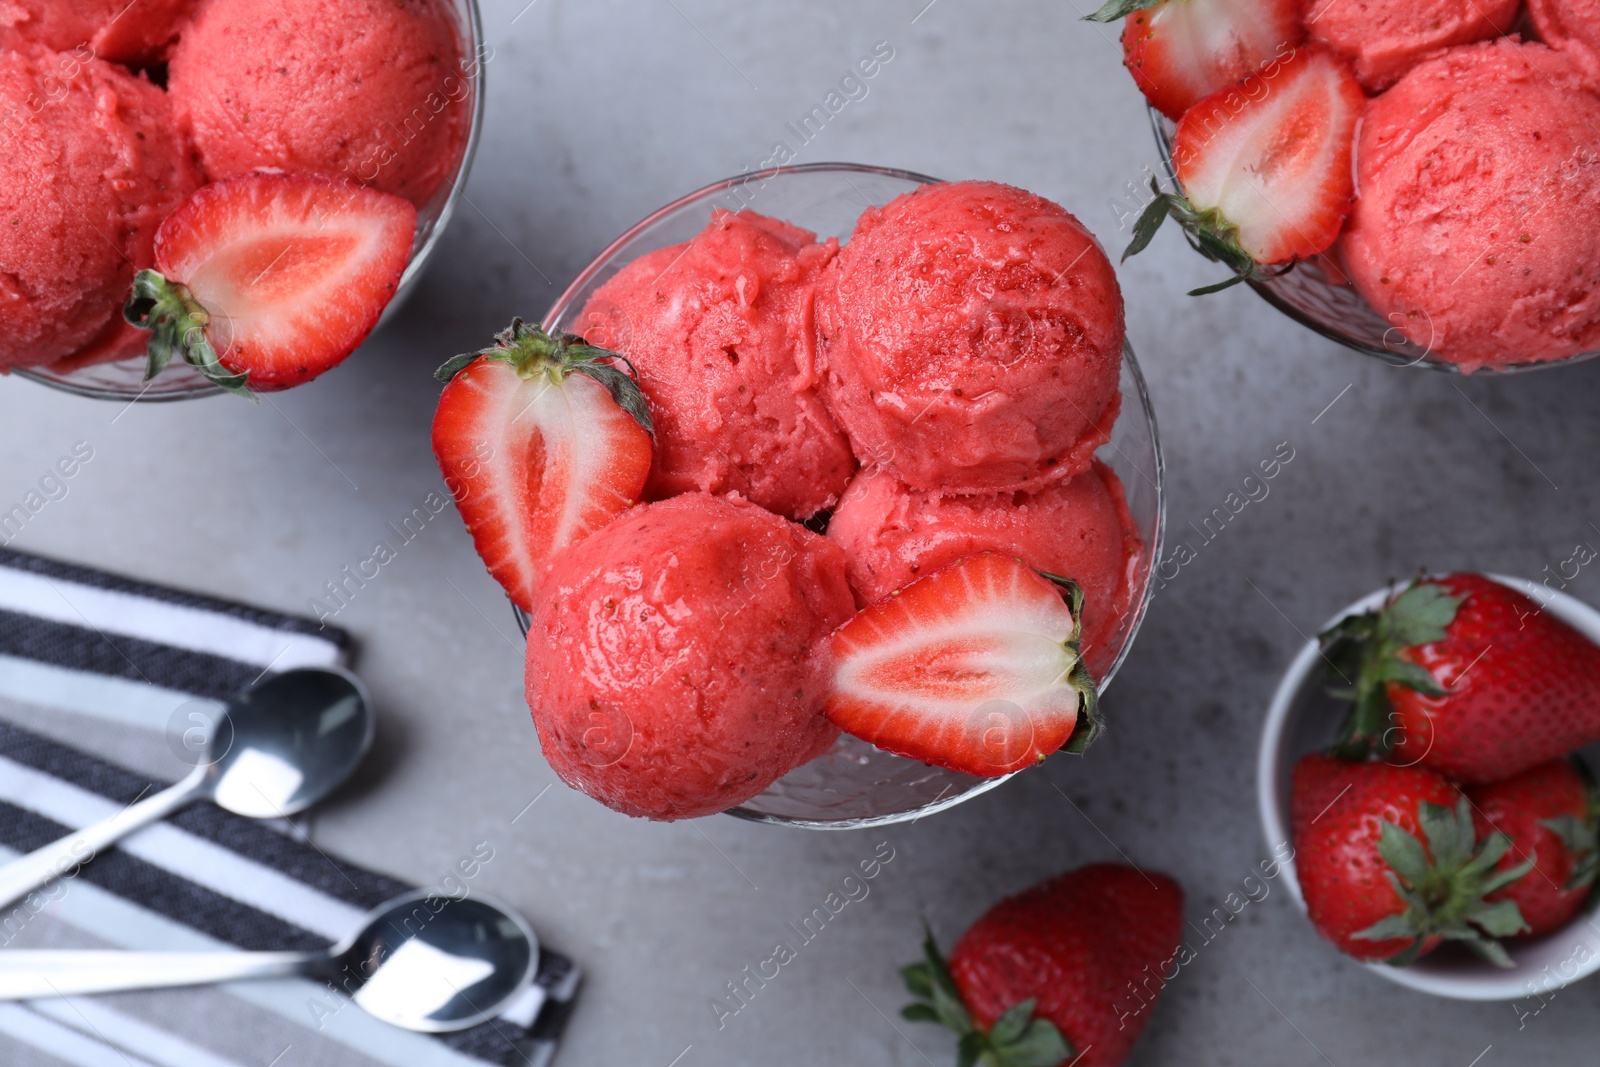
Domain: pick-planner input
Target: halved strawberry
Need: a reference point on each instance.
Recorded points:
(1265, 166)
(267, 280)
(974, 668)
(542, 441)
(1181, 51)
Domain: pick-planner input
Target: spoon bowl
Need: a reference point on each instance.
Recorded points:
(286, 744)
(435, 964)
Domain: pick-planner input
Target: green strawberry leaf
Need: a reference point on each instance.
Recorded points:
(1420, 615)
(1146, 226)
(1490, 951)
(1440, 890)
(1017, 1039)
(919, 982)
(1443, 830)
(177, 325)
(1389, 928)
(1041, 1045)
(1500, 919)
(455, 365)
(532, 351)
(1011, 1025)
(1116, 9)
(1370, 650)
(1404, 853)
(1207, 290)
(1406, 956)
(1579, 837)
(623, 389)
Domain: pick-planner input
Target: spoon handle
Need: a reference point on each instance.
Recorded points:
(27, 975)
(63, 858)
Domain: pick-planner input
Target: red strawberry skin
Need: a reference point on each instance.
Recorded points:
(535, 466)
(1273, 155)
(1181, 51)
(1084, 944)
(1516, 807)
(1525, 688)
(295, 270)
(1337, 808)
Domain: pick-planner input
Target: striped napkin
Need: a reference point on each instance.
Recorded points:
(100, 678)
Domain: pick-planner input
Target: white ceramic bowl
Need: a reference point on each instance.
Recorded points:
(854, 784)
(124, 379)
(1303, 719)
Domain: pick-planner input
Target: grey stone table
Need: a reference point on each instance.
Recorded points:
(603, 110)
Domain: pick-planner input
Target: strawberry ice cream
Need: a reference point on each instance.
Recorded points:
(375, 90)
(1385, 39)
(723, 333)
(669, 665)
(89, 167)
(136, 32)
(1474, 232)
(1573, 26)
(972, 339)
(1079, 529)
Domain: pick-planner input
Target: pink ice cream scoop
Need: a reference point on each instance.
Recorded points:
(1079, 529)
(1384, 39)
(135, 32)
(972, 339)
(90, 165)
(670, 665)
(375, 90)
(722, 330)
(1573, 26)
(1474, 231)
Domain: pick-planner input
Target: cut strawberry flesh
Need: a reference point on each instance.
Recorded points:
(969, 668)
(1182, 51)
(535, 465)
(294, 269)
(1273, 155)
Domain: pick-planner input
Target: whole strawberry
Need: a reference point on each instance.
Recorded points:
(1057, 974)
(1389, 863)
(1549, 814)
(1468, 677)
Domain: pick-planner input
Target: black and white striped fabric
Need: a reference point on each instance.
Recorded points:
(98, 674)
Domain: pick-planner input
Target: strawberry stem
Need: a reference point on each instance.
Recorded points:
(533, 353)
(177, 325)
(1017, 1038)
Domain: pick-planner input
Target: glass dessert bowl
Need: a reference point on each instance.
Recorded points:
(124, 379)
(1318, 294)
(855, 784)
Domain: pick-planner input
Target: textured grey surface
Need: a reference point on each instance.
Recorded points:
(603, 110)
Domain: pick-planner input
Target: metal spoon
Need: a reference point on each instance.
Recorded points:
(278, 748)
(421, 962)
